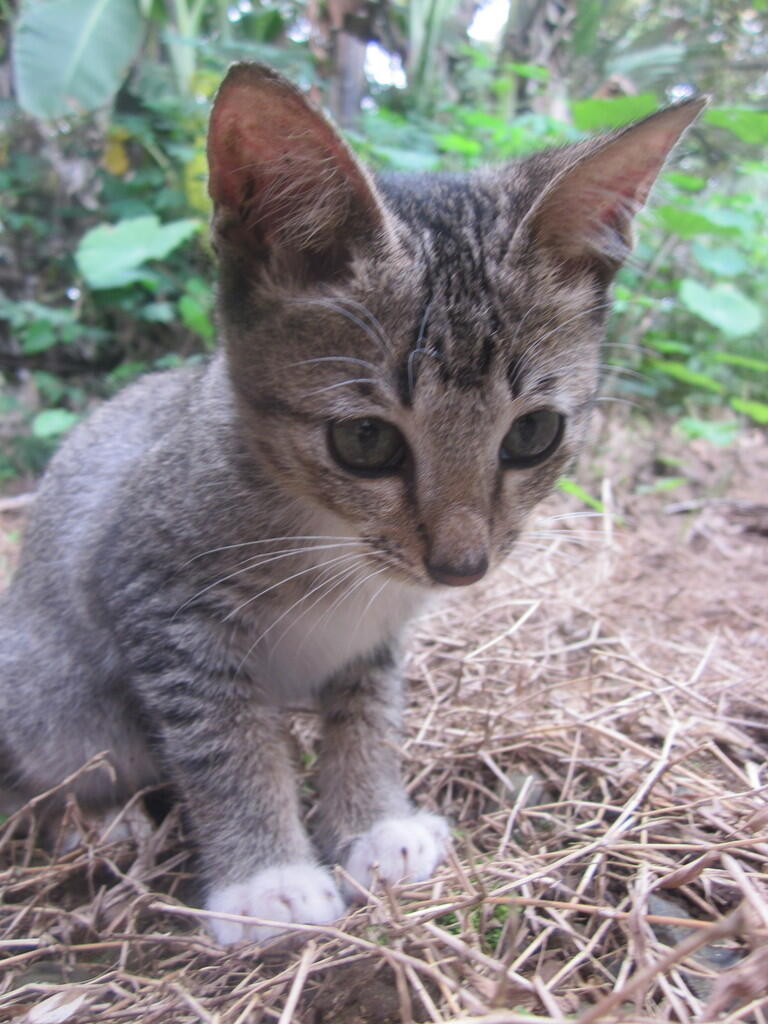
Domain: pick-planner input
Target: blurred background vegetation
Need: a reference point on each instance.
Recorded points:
(105, 268)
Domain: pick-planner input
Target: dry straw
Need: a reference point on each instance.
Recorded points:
(595, 723)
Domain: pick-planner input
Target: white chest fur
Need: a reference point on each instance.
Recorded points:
(297, 654)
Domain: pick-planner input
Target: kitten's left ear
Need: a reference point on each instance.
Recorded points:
(586, 214)
(287, 190)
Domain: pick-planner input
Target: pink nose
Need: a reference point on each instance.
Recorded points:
(460, 575)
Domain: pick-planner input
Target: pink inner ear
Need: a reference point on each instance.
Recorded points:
(269, 150)
(617, 197)
(608, 187)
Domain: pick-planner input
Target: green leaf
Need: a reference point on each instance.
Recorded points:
(689, 223)
(126, 372)
(748, 125)
(401, 159)
(687, 182)
(597, 114)
(685, 374)
(535, 71)
(734, 359)
(725, 261)
(668, 346)
(586, 25)
(454, 143)
(195, 316)
(719, 432)
(723, 306)
(110, 256)
(667, 483)
(52, 422)
(158, 312)
(758, 411)
(49, 385)
(730, 220)
(571, 487)
(38, 337)
(71, 56)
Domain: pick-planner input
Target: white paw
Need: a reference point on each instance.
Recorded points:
(298, 893)
(398, 849)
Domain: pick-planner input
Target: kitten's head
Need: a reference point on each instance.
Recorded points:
(416, 355)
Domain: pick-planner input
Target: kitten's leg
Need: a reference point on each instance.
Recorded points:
(366, 820)
(232, 764)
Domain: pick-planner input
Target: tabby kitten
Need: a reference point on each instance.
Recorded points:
(407, 365)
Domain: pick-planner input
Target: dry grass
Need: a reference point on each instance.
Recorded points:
(595, 723)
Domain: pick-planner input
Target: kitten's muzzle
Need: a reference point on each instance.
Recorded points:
(460, 575)
(457, 547)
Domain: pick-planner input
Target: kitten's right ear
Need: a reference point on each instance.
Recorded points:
(286, 188)
(585, 215)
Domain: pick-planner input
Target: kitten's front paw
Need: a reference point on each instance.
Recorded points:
(398, 849)
(298, 893)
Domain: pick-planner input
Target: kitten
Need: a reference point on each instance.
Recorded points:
(407, 365)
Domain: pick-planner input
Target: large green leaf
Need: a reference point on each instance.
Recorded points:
(725, 261)
(758, 411)
(452, 142)
(52, 422)
(719, 432)
(594, 115)
(683, 373)
(689, 223)
(736, 359)
(748, 125)
(535, 71)
(72, 55)
(687, 182)
(723, 306)
(110, 256)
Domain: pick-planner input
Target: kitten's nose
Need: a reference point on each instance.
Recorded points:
(460, 574)
(457, 546)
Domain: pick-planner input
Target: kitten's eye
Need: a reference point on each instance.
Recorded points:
(532, 438)
(368, 447)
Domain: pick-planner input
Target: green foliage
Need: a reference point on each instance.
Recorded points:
(757, 411)
(748, 125)
(38, 327)
(109, 272)
(597, 115)
(684, 374)
(569, 486)
(113, 255)
(722, 305)
(53, 422)
(717, 432)
(71, 56)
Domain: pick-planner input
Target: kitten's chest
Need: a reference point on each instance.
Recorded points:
(291, 658)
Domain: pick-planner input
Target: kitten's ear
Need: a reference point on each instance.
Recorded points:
(285, 186)
(586, 214)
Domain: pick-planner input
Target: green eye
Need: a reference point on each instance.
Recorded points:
(368, 447)
(532, 438)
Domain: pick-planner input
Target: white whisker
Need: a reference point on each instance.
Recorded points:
(340, 599)
(335, 306)
(334, 359)
(268, 540)
(249, 564)
(343, 384)
(329, 586)
(287, 579)
(321, 585)
(374, 596)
